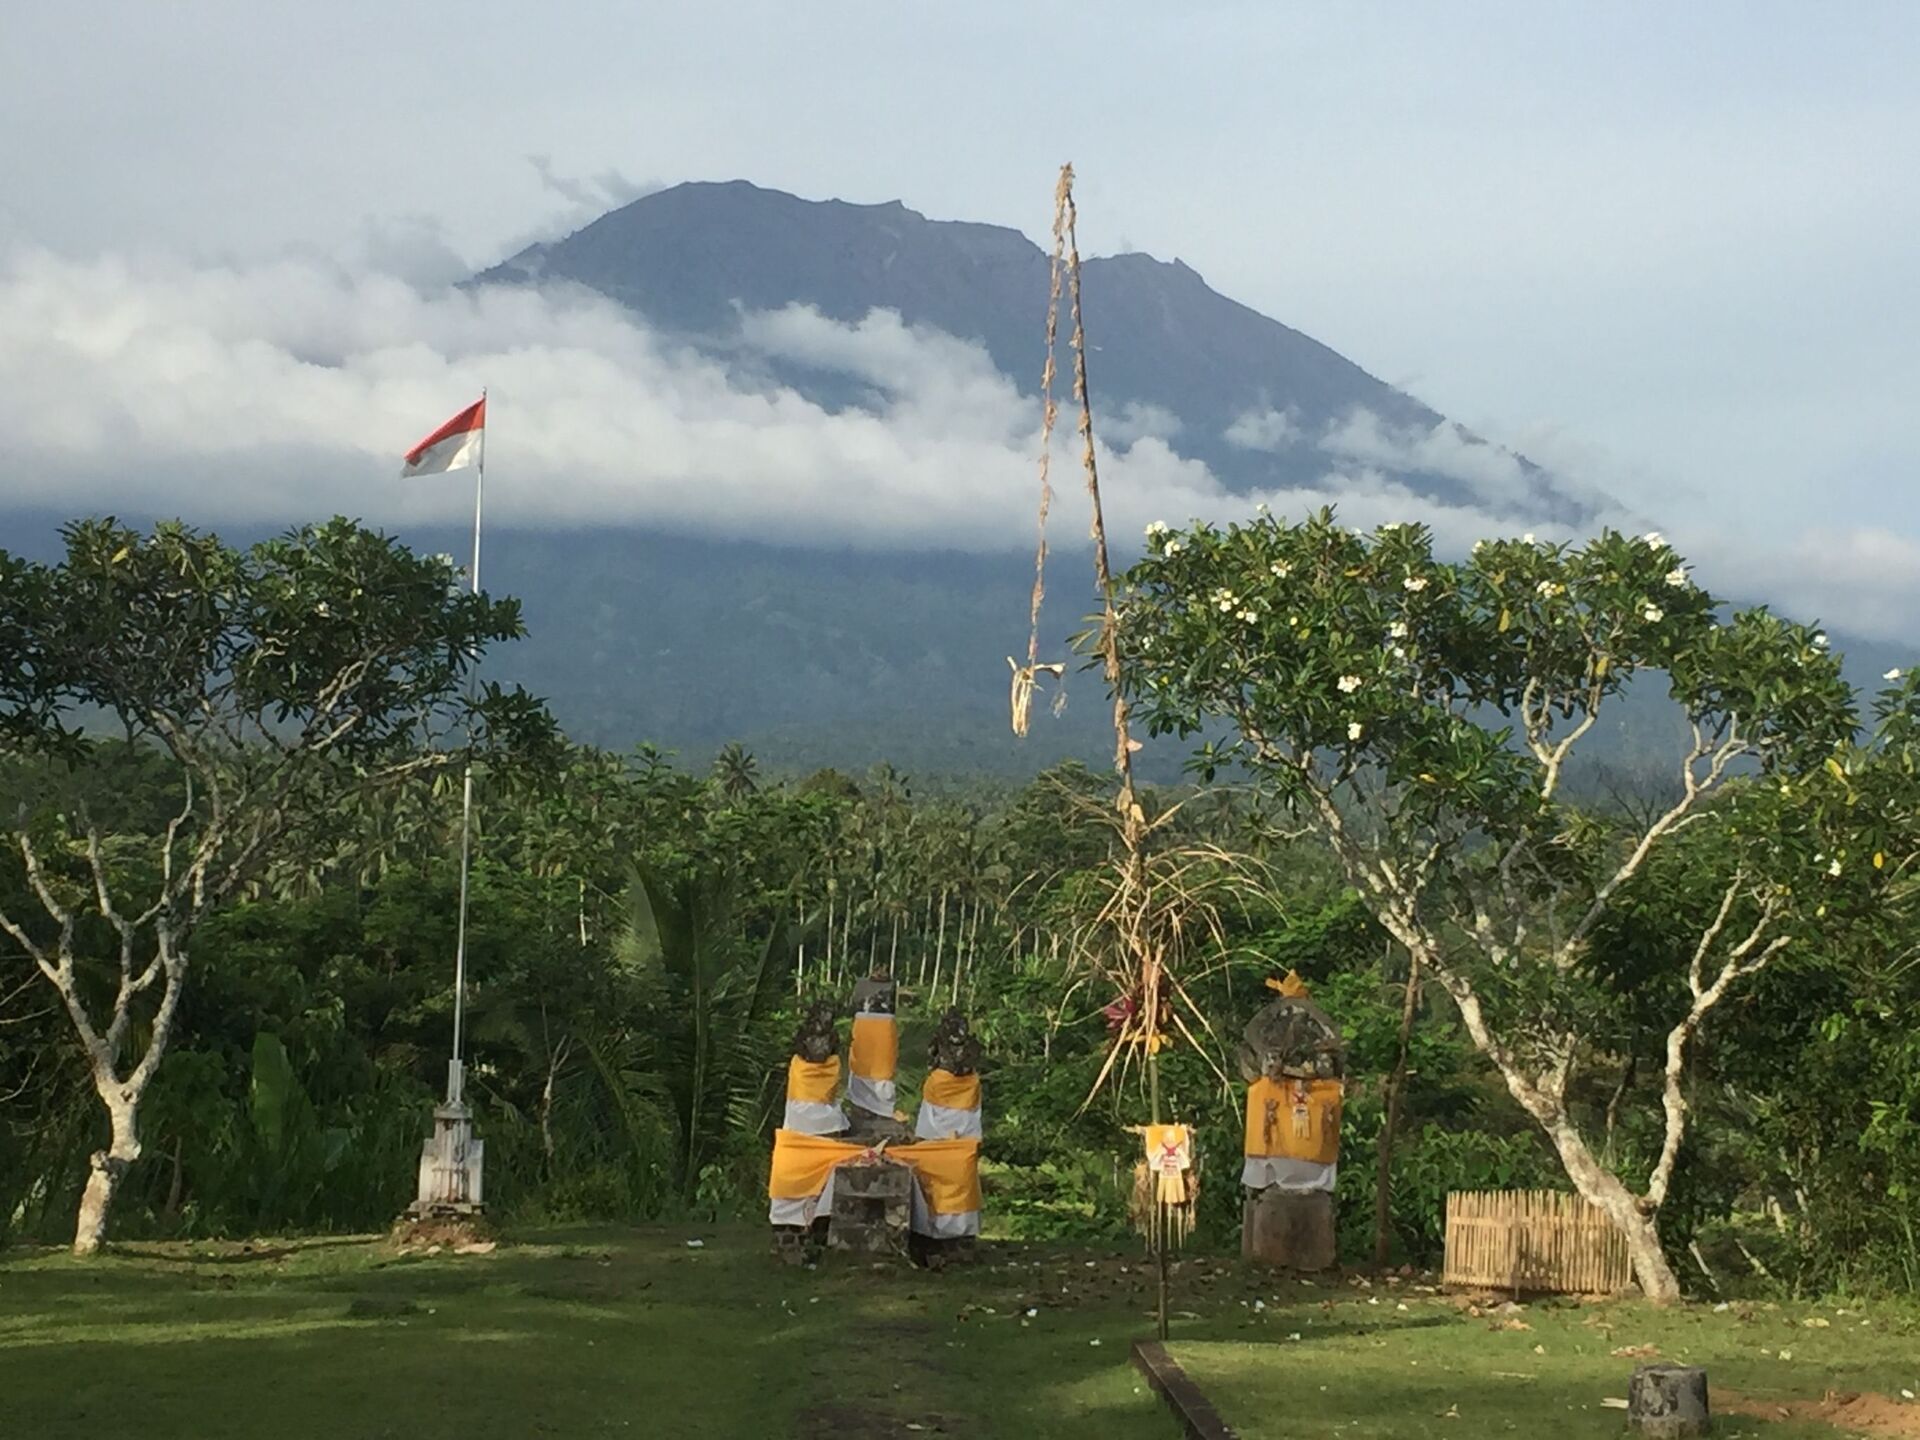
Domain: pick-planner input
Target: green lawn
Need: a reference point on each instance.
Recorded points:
(592, 1332)
(1393, 1361)
(578, 1333)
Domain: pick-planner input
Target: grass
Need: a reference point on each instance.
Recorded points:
(613, 1332)
(1394, 1361)
(574, 1333)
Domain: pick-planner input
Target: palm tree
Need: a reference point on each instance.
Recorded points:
(736, 772)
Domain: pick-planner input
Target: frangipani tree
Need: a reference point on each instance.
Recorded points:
(286, 685)
(1419, 717)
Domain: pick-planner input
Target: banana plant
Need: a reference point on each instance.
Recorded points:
(712, 989)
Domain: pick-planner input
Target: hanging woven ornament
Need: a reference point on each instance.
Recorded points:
(1166, 1186)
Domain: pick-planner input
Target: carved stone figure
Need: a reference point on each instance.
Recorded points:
(1292, 1039)
(818, 1036)
(954, 1047)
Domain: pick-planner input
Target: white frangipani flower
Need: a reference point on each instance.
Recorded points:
(1349, 683)
(1893, 674)
(1355, 730)
(1548, 589)
(1834, 868)
(1414, 584)
(1677, 577)
(1820, 641)
(1173, 547)
(1398, 630)
(1157, 529)
(1527, 539)
(1281, 569)
(1655, 539)
(1652, 613)
(1249, 616)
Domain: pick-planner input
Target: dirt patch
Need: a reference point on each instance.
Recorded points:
(434, 1237)
(1862, 1414)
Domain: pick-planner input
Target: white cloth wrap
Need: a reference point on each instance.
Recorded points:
(943, 1122)
(874, 1096)
(1294, 1177)
(815, 1117)
(804, 1212)
(942, 1227)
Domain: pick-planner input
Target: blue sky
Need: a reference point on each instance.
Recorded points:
(1667, 248)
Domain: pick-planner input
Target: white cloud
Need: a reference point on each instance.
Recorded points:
(1490, 472)
(1267, 429)
(1864, 581)
(287, 390)
(1139, 420)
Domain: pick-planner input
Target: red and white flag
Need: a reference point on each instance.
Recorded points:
(454, 445)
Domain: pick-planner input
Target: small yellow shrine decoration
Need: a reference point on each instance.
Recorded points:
(1166, 1188)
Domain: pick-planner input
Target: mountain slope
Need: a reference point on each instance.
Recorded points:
(1253, 399)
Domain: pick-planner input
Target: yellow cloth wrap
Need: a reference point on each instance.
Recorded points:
(1314, 1135)
(955, 1092)
(814, 1081)
(875, 1051)
(948, 1170)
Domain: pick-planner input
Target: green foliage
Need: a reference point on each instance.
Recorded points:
(642, 936)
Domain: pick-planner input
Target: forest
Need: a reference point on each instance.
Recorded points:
(253, 759)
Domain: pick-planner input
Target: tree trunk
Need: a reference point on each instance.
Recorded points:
(1545, 1102)
(1390, 1124)
(1657, 1280)
(107, 1168)
(939, 949)
(176, 1186)
(846, 936)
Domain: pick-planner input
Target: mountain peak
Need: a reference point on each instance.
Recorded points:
(1254, 400)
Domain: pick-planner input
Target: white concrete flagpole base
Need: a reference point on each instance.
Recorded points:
(452, 1173)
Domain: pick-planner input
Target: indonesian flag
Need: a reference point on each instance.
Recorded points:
(454, 445)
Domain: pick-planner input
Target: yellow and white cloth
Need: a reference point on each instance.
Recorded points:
(946, 1195)
(1293, 1135)
(813, 1089)
(872, 1060)
(949, 1107)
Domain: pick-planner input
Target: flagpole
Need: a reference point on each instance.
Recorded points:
(456, 1075)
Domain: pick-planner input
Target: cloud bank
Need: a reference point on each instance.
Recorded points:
(279, 391)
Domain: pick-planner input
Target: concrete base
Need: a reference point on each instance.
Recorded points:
(872, 1208)
(452, 1174)
(1291, 1231)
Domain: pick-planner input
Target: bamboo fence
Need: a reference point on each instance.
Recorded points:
(1538, 1240)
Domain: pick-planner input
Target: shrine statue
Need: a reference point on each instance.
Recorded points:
(950, 1096)
(813, 1074)
(875, 1053)
(1293, 1060)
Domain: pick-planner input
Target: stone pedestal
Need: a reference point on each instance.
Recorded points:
(872, 1208)
(1295, 1232)
(1668, 1402)
(451, 1184)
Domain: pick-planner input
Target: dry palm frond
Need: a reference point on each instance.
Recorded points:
(1023, 676)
